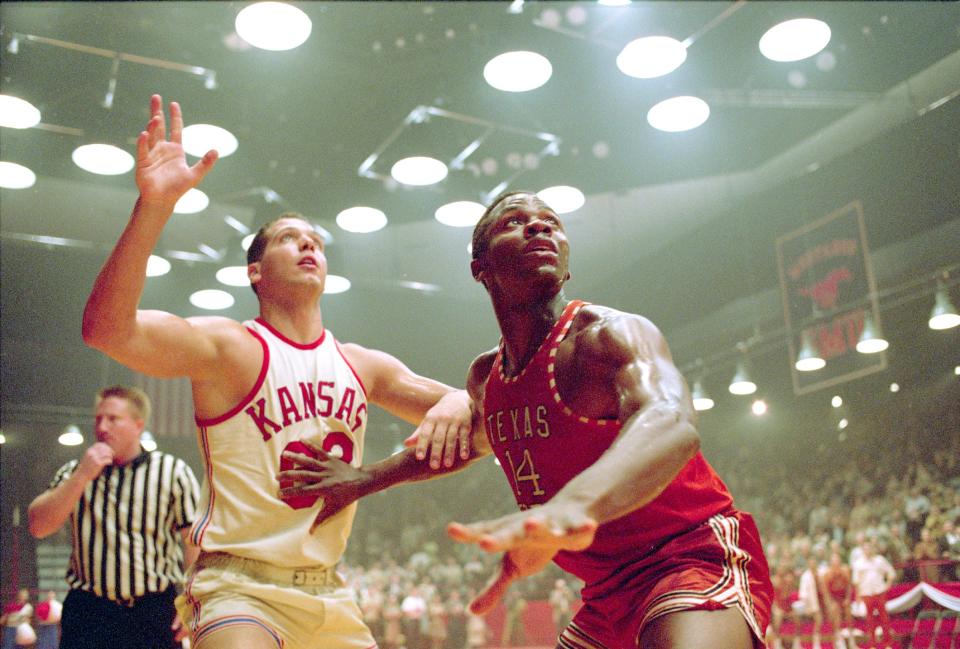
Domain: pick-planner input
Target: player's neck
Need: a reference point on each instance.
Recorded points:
(302, 324)
(525, 325)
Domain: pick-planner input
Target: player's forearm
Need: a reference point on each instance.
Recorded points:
(404, 467)
(652, 448)
(51, 509)
(111, 310)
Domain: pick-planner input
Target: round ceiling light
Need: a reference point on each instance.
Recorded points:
(17, 113)
(652, 56)
(14, 176)
(103, 159)
(71, 436)
(335, 284)
(678, 114)
(796, 39)
(212, 299)
(192, 202)
(361, 219)
(563, 199)
(459, 214)
(200, 138)
(517, 71)
(419, 171)
(233, 276)
(247, 240)
(157, 266)
(274, 26)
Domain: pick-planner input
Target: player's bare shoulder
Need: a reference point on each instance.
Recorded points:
(479, 371)
(601, 334)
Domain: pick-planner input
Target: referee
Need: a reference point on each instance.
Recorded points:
(126, 508)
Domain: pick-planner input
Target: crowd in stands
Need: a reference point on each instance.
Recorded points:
(899, 492)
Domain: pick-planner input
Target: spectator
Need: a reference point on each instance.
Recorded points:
(838, 593)
(48, 622)
(924, 552)
(436, 622)
(809, 598)
(872, 577)
(456, 620)
(561, 604)
(15, 614)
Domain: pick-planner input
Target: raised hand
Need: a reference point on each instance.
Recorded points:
(530, 540)
(322, 477)
(98, 456)
(162, 172)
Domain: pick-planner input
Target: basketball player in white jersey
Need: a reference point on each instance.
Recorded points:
(263, 391)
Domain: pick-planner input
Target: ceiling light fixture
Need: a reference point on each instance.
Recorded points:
(361, 220)
(613, 3)
(103, 159)
(836, 401)
(701, 400)
(157, 266)
(14, 176)
(870, 342)
(459, 214)
(843, 423)
(274, 26)
(336, 284)
(211, 299)
(247, 240)
(944, 314)
(563, 199)
(418, 171)
(894, 387)
(192, 202)
(741, 384)
(517, 71)
(18, 113)
(759, 407)
(651, 57)
(71, 436)
(233, 276)
(796, 39)
(678, 114)
(200, 138)
(808, 359)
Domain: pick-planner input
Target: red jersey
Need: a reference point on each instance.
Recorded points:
(837, 583)
(542, 444)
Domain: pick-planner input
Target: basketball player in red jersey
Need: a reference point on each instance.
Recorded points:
(594, 427)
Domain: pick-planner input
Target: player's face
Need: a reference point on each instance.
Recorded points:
(294, 252)
(117, 424)
(525, 240)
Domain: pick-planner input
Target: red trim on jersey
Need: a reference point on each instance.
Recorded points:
(316, 343)
(357, 376)
(250, 395)
(200, 526)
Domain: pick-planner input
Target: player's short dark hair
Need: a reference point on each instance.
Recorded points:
(478, 243)
(260, 239)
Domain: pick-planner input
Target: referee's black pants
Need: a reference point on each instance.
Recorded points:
(91, 622)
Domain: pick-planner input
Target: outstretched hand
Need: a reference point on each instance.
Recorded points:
(322, 477)
(162, 172)
(530, 540)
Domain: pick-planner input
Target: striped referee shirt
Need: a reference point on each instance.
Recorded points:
(126, 526)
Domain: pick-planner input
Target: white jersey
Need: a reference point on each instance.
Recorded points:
(303, 392)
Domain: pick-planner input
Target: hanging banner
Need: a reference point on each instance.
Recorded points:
(827, 287)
